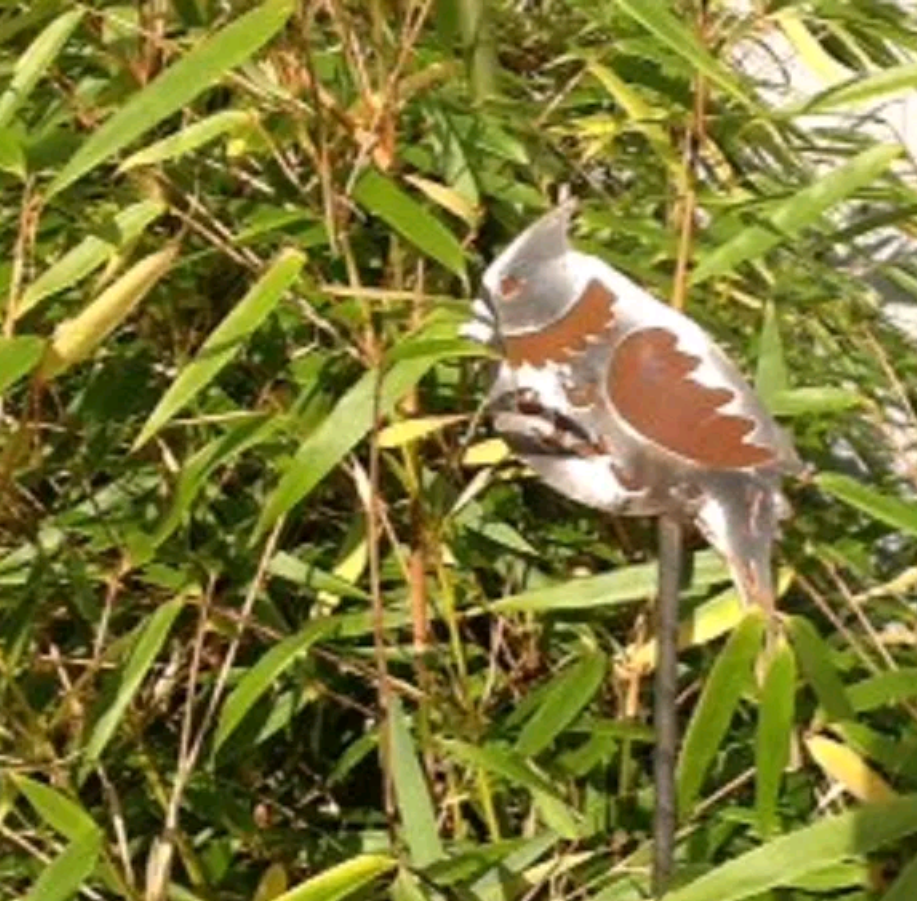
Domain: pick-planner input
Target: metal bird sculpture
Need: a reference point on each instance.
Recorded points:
(624, 404)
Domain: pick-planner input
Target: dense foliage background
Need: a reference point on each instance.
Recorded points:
(277, 617)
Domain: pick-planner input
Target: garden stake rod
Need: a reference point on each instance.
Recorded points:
(623, 403)
(665, 712)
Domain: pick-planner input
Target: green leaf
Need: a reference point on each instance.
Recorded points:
(12, 154)
(568, 694)
(724, 686)
(57, 810)
(771, 377)
(346, 425)
(883, 689)
(514, 769)
(657, 18)
(642, 116)
(801, 210)
(342, 880)
(813, 400)
(415, 808)
(18, 356)
(864, 87)
(188, 139)
(36, 60)
(383, 198)
(509, 867)
(62, 878)
(815, 658)
(772, 741)
(150, 637)
(194, 474)
(307, 575)
(225, 341)
(621, 586)
(89, 254)
(260, 677)
(893, 511)
(805, 851)
(177, 86)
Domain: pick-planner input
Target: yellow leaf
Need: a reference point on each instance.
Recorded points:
(706, 623)
(409, 430)
(351, 565)
(821, 63)
(75, 339)
(644, 118)
(272, 884)
(841, 763)
(486, 453)
(446, 197)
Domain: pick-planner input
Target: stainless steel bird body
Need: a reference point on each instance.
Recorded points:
(625, 404)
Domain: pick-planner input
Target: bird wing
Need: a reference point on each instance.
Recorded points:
(669, 383)
(653, 386)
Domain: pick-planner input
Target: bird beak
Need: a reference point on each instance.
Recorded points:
(482, 326)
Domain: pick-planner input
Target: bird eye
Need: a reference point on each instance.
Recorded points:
(511, 287)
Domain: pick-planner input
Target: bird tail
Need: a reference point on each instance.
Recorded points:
(741, 520)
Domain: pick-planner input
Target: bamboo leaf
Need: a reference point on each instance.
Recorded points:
(657, 18)
(724, 686)
(569, 693)
(346, 425)
(260, 678)
(188, 139)
(887, 688)
(813, 400)
(225, 341)
(12, 153)
(842, 763)
(177, 86)
(815, 658)
(150, 638)
(510, 766)
(622, 586)
(272, 884)
(383, 198)
(342, 880)
(18, 357)
(801, 210)
(893, 511)
(408, 430)
(808, 47)
(76, 339)
(89, 254)
(774, 735)
(771, 377)
(36, 60)
(804, 851)
(862, 89)
(643, 117)
(62, 878)
(486, 453)
(415, 807)
(61, 813)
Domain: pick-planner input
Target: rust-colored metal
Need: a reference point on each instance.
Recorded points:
(650, 385)
(590, 318)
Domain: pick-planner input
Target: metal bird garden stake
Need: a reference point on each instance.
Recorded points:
(624, 404)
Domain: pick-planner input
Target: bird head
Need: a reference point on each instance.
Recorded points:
(532, 281)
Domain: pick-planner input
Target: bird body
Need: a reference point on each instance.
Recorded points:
(625, 404)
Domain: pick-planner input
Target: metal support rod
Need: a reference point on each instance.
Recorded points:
(664, 713)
